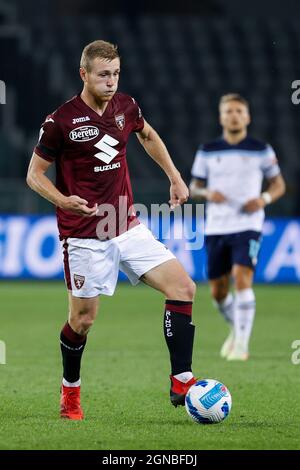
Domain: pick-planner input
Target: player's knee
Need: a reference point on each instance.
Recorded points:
(186, 290)
(85, 323)
(82, 320)
(242, 282)
(218, 292)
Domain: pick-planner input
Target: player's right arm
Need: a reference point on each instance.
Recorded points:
(40, 183)
(198, 191)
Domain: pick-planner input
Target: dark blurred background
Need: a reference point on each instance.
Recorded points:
(177, 60)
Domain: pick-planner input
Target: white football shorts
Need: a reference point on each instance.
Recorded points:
(92, 266)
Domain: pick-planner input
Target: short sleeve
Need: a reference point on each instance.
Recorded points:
(270, 167)
(50, 141)
(199, 168)
(137, 117)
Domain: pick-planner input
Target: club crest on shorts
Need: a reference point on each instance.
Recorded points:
(120, 121)
(78, 281)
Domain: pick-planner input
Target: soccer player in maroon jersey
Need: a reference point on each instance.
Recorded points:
(86, 138)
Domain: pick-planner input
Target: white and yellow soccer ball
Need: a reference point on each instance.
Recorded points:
(208, 401)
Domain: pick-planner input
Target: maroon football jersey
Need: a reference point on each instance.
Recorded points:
(90, 156)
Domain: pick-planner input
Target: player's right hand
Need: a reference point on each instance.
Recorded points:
(179, 193)
(215, 196)
(79, 206)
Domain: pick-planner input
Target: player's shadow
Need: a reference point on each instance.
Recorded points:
(240, 423)
(262, 424)
(170, 422)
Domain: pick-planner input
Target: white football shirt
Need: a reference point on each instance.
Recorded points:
(237, 171)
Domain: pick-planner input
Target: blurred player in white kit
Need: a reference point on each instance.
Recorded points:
(228, 173)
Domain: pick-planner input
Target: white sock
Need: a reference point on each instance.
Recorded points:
(184, 376)
(244, 312)
(71, 384)
(226, 307)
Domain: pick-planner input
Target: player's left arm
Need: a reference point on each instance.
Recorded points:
(275, 190)
(157, 150)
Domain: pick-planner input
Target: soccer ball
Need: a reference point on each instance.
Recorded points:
(208, 401)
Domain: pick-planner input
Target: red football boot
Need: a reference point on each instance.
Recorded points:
(70, 403)
(179, 390)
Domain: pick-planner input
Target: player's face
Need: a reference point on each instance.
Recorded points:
(234, 116)
(102, 80)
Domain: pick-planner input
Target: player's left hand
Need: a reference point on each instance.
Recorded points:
(179, 193)
(254, 205)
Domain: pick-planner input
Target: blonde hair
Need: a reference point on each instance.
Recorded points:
(102, 49)
(233, 97)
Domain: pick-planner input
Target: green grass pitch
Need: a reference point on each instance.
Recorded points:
(125, 368)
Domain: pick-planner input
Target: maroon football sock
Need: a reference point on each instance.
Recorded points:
(72, 346)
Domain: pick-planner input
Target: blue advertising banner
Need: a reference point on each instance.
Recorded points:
(30, 248)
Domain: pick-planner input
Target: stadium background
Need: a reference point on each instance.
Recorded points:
(176, 62)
